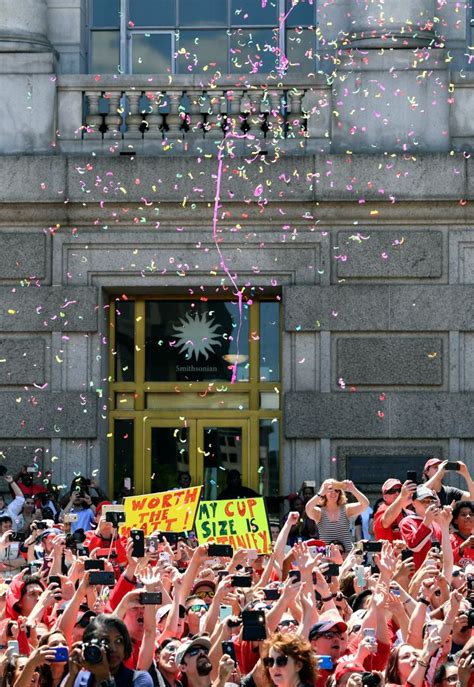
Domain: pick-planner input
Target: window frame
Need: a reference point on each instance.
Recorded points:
(126, 32)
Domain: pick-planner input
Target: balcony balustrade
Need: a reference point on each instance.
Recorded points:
(144, 114)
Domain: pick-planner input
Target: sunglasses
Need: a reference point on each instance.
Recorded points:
(288, 623)
(195, 608)
(196, 650)
(395, 490)
(280, 661)
(171, 648)
(330, 634)
(202, 595)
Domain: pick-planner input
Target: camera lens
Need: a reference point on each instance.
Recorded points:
(93, 651)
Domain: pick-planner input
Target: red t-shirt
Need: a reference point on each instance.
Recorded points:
(389, 533)
(467, 554)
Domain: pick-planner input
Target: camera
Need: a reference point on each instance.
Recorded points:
(93, 651)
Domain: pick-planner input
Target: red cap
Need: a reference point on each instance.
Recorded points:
(98, 510)
(390, 483)
(315, 542)
(432, 461)
(344, 667)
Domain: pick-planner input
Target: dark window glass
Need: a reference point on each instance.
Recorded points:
(169, 455)
(105, 13)
(153, 12)
(300, 13)
(222, 452)
(300, 50)
(202, 51)
(251, 12)
(151, 53)
(188, 341)
(123, 454)
(253, 50)
(269, 341)
(370, 471)
(269, 468)
(202, 13)
(105, 51)
(125, 341)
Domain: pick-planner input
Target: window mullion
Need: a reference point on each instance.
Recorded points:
(124, 38)
(281, 32)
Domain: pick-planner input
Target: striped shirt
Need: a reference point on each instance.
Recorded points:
(338, 530)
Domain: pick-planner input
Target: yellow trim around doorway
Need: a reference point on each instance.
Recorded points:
(246, 415)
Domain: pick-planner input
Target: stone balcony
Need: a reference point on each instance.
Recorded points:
(155, 114)
(421, 108)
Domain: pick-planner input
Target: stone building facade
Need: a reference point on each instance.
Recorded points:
(344, 198)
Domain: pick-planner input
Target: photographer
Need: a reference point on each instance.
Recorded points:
(80, 505)
(12, 509)
(10, 558)
(433, 473)
(102, 654)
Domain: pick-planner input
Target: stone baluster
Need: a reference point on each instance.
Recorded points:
(184, 110)
(205, 111)
(113, 119)
(173, 119)
(245, 112)
(164, 109)
(311, 113)
(295, 121)
(234, 120)
(153, 118)
(214, 120)
(275, 119)
(195, 120)
(256, 117)
(265, 110)
(93, 119)
(134, 118)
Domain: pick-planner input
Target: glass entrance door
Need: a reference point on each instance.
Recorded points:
(222, 446)
(196, 387)
(206, 448)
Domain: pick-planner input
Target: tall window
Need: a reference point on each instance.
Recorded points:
(202, 36)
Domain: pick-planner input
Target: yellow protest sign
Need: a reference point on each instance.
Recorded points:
(167, 511)
(242, 523)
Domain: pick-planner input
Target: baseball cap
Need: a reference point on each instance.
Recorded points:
(345, 667)
(186, 646)
(316, 542)
(432, 461)
(162, 611)
(324, 626)
(423, 492)
(203, 583)
(390, 483)
(83, 619)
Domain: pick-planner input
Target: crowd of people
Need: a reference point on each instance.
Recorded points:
(81, 605)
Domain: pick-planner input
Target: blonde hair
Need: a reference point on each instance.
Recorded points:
(342, 499)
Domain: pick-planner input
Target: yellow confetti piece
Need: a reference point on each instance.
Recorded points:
(12, 312)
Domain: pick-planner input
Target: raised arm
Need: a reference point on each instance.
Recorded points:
(353, 509)
(464, 472)
(16, 505)
(402, 501)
